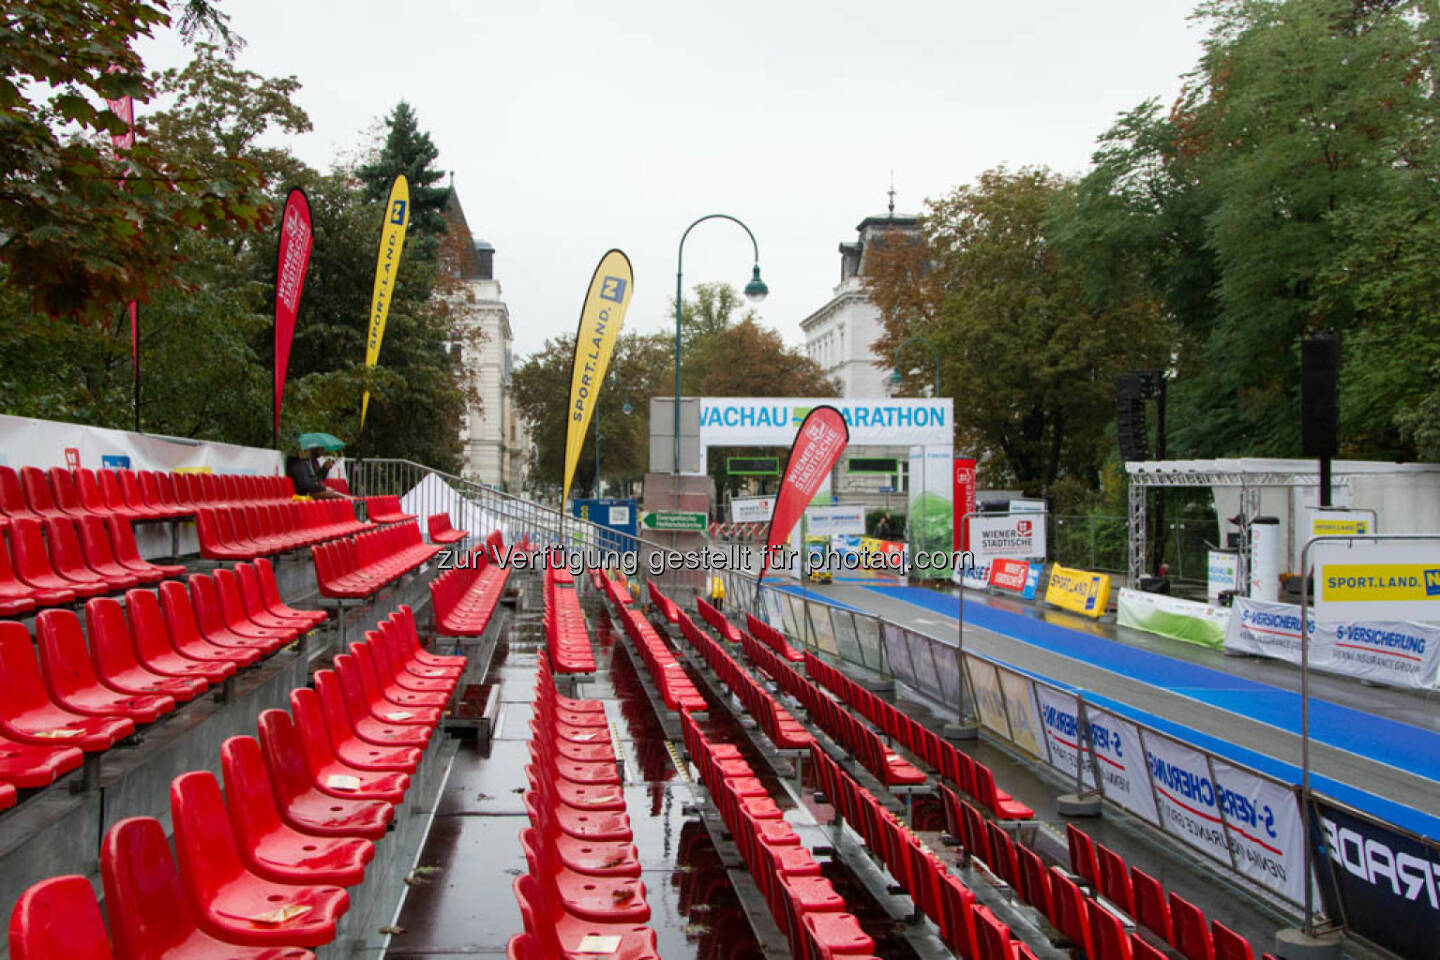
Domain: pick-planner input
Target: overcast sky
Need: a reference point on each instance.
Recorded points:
(573, 127)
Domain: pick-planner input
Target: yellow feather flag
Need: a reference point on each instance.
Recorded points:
(600, 320)
(392, 241)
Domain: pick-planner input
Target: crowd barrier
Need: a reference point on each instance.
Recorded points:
(1240, 819)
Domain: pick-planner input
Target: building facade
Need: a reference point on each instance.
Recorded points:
(840, 336)
(496, 441)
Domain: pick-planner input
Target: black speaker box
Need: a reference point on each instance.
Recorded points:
(1320, 395)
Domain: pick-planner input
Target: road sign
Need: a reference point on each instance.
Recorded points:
(675, 520)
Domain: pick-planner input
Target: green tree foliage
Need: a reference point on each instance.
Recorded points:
(207, 339)
(84, 231)
(1291, 188)
(408, 149)
(712, 310)
(1030, 357)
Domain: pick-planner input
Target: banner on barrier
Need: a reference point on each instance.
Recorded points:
(1185, 795)
(1124, 778)
(1020, 538)
(1330, 522)
(989, 700)
(1060, 719)
(1376, 580)
(1173, 617)
(1025, 729)
(1382, 882)
(1079, 591)
(1016, 576)
(1262, 819)
(1403, 654)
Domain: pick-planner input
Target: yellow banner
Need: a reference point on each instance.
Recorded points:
(1325, 527)
(600, 320)
(1379, 582)
(1078, 590)
(387, 262)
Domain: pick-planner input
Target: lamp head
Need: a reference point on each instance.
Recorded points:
(625, 408)
(755, 290)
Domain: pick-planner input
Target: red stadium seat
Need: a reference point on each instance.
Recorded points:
(313, 717)
(303, 805)
(58, 919)
(112, 651)
(1192, 936)
(27, 714)
(231, 902)
(156, 650)
(122, 538)
(268, 846)
(70, 676)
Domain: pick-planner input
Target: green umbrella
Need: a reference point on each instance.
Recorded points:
(309, 441)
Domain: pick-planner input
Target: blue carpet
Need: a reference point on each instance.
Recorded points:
(1391, 742)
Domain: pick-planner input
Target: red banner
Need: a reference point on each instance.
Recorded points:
(964, 500)
(817, 446)
(124, 108)
(1009, 574)
(291, 261)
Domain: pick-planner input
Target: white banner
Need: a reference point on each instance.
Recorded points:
(25, 442)
(1381, 580)
(1059, 716)
(1173, 617)
(751, 509)
(1263, 821)
(1026, 731)
(1020, 538)
(1123, 776)
(1222, 574)
(989, 701)
(1185, 795)
(773, 421)
(1402, 654)
(844, 519)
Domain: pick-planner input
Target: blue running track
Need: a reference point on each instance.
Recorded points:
(1382, 740)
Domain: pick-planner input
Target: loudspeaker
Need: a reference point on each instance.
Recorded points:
(1320, 395)
(1131, 390)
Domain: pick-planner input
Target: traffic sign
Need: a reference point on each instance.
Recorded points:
(675, 520)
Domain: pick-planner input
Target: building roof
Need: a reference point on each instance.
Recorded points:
(464, 249)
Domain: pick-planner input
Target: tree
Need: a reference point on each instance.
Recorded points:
(84, 231)
(711, 311)
(641, 367)
(409, 150)
(1291, 188)
(1008, 312)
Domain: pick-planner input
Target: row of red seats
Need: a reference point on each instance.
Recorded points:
(1176, 921)
(139, 663)
(258, 871)
(968, 927)
(854, 736)
(129, 494)
(360, 566)
(772, 638)
(245, 532)
(441, 531)
(668, 608)
(717, 621)
(782, 729)
(464, 597)
(583, 893)
(665, 671)
(805, 905)
(59, 561)
(567, 639)
(974, 777)
(386, 510)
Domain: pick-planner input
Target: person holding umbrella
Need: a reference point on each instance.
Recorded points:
(306, 471)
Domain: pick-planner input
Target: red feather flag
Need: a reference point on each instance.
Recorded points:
(297, 236)
(821, 440)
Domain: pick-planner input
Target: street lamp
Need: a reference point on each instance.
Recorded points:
(896, 378)
(755, 291)
(624, 408)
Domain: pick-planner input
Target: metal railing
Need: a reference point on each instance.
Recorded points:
(1179, 789)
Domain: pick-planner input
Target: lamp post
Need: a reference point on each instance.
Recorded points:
(897, 377)
(755, 291)
(624, 408)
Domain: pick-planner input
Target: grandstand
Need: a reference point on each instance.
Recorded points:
(234, 722)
